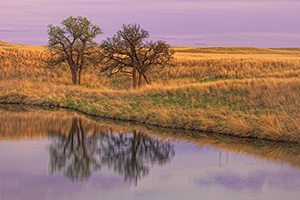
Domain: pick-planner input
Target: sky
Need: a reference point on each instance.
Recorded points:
(204, 23)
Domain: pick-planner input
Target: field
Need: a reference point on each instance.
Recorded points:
(247, 92)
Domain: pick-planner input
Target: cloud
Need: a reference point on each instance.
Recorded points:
(168, 38)
(200, 44)
(255, 181)
(15, 31)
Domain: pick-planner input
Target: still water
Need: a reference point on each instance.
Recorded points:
(63, 155)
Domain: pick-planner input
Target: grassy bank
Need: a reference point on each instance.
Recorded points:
(248, 92)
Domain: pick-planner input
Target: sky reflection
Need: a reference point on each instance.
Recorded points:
(193, 173)
(176, 166)
(265, 23)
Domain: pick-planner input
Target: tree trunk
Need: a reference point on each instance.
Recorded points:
(134, 77)
(140, 80)
(146, 79)
(74, 76)
(79, 76)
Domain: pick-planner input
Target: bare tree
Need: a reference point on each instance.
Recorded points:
(128, 52)
(73, 43)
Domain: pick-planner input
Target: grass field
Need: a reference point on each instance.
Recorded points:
(247, 92)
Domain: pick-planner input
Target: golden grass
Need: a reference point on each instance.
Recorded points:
(191, 64)
(249, 92)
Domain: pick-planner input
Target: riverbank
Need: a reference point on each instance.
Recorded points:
(260, 108)
(246, 92)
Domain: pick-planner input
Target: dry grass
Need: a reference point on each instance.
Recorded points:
(249, 92)
(231, 63)
(190, 65)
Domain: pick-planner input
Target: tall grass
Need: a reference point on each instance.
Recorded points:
(249, 92)
(190, 65)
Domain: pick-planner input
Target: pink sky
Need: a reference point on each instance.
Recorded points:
(260, 23)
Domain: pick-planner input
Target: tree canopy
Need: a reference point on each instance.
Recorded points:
(129, 52)
(73, 43)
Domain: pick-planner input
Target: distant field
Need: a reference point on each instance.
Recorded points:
(243, 91)
(237, 50)
(190, 65)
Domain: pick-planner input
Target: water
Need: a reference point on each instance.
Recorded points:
(62, 155)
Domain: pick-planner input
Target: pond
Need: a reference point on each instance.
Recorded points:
(64, 155)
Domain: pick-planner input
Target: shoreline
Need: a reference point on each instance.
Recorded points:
(49, 106)
(244, 92)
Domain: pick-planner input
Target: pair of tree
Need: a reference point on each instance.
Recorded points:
(128, 51)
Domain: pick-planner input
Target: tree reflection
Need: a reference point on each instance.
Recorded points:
(76, 154)
(130, 155)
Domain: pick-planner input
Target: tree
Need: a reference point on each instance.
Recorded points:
(73, 43)
(128, 52)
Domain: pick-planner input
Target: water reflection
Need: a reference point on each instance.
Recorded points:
(69, 129)
(106, 153)
(130, 155)
(75, 154)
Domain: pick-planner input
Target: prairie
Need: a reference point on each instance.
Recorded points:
(241, 91)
